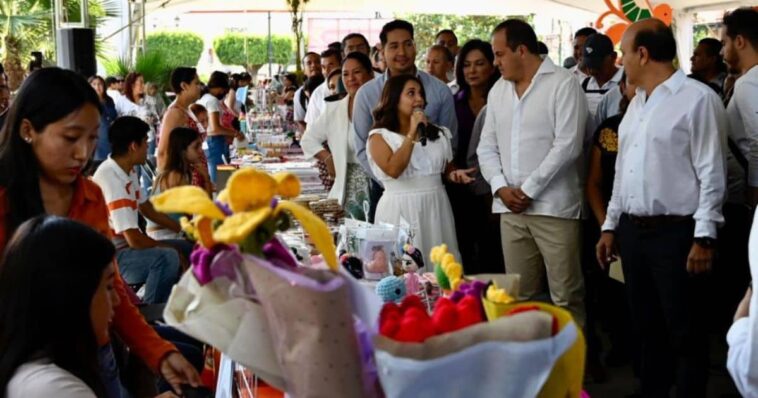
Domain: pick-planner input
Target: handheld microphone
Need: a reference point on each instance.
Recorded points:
(421, 128)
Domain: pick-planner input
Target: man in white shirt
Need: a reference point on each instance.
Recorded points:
(599, 59)
(668, 192)
(580, 37)
(530, 154)
(741, 53)
(312, 63)
(740, 38)
(330, 60)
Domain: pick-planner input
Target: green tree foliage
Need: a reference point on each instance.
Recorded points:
(466, 27)
(252, 51)
(177, 48)
(702, 31)
(26, 26)
(153, 66)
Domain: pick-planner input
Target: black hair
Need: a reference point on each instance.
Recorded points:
(309, 85)
(110, 80)
(362, 58)
(518, 33)
(218, 80)
(335, 45)
(355, 36)
(445, 31)
(50, 272)
(386, 113)
(124, 131)
(585, 32)
(332, 53)
(397, 24)
(486, 49)
(445, 51)
(542, 47)
(713, 49)
(65, 92)
(416, 255)
(309, 53)
(743, 22)
(181, 75)
(658, 40)
(291, 77)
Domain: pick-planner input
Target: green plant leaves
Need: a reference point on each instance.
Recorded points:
(177, 48)
(250, 50)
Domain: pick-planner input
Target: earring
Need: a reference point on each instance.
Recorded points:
(28, 140)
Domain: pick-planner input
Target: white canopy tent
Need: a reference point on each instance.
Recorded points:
(587, 11)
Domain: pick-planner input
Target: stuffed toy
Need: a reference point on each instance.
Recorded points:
(412, 262)
(353, 265)
(391, 289)
(410, 323)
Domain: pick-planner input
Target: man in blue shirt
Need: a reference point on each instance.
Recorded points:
(399, 54)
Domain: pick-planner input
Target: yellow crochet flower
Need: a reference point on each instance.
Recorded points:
(446, 262)
(249, 195)
(437, 252)
(498, 295)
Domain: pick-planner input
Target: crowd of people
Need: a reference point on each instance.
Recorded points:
(519, 165)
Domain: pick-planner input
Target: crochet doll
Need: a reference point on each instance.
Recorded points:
(413, 261)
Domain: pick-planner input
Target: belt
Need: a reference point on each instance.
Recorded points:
(656, 221)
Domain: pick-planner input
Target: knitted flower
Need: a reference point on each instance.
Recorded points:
(449, 272)
(248, 206)
(498, 295)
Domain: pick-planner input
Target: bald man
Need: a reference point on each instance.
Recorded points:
(666, 205)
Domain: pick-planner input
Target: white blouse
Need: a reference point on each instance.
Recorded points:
(425, 160)
(42, 379)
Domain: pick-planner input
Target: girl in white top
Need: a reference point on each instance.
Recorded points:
(335, 128)
(56, 303)
(411, 165)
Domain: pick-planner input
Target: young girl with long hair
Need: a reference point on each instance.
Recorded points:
(185, 151)
(56, 303)
(44, 147)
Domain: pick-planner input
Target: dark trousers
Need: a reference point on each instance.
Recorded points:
(375, 192)
(667, 304)
(477, 230)
(731, 270)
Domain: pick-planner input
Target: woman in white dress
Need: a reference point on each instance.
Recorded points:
(335, 128)
(411, 165)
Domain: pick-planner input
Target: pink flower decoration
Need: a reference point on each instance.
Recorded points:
(220, 260)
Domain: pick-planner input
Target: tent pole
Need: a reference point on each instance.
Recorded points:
(270, 47)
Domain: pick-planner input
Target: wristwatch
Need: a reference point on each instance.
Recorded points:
(705, 242)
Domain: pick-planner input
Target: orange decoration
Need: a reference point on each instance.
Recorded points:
(629, 12)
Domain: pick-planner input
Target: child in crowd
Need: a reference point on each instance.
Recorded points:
(185, 149)
(201, 115)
